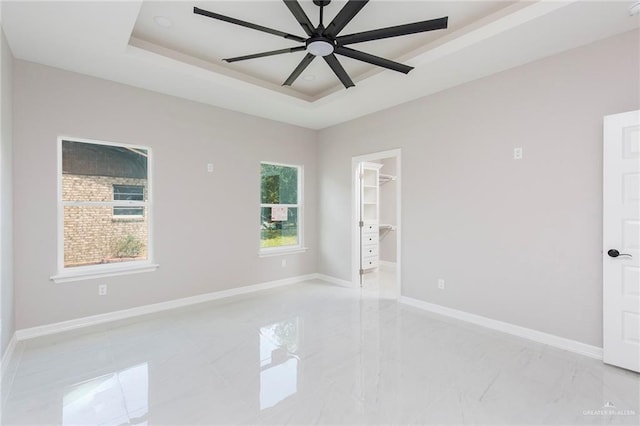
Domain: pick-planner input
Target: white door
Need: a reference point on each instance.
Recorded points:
(621, 238)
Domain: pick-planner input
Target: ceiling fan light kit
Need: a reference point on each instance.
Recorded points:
(325, 41)
(320, 46)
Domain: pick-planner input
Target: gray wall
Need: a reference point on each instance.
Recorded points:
(206, 226)
(6, 200)
(517, 241)
(388, 211)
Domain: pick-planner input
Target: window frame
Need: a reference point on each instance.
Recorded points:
(78, 273)
(298, 248)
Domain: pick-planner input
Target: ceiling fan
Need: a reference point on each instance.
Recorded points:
(325, 41)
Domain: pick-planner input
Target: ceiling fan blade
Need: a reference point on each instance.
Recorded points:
(372, 59)
(399, 30)
(300, 16)
(246, 24)
(339, 71)
(263, 54)
(301, 67)
(343, 17)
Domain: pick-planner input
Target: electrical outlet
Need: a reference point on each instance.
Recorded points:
(440, 283)
(102, 290)
(284, 262)
(517, 153)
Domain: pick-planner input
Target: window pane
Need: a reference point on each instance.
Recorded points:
(278, 233)
(279, 184)
(93, 236)
(128, 192)
(128, 211)
(91, 172)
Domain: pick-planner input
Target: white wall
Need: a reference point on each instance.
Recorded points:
(206, 226)
(7, 327)
(517, 241)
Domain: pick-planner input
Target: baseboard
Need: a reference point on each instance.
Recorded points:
(527, 333)
(334, 280)
(59, 327)
(8, 355)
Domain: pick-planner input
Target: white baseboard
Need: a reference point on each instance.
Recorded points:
(7, 355)
(28, 333)
(334, 280)
(527, 333)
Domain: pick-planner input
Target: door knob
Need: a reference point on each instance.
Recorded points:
(616, 253)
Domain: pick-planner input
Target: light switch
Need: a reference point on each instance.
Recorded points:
(210, 167)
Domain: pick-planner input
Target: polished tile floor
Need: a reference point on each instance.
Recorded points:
(381, 283)
(307, 354)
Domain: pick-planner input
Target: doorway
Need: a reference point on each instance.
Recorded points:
(375, 225)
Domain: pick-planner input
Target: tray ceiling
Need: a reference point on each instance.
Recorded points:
(210, 40)
(121, 41)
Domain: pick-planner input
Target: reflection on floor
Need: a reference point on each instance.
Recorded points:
(307, 354)
(381, 283)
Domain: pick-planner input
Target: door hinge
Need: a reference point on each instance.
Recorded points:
(361, 224)
(361, 271)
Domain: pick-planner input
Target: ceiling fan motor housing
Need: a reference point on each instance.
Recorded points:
(320, 46)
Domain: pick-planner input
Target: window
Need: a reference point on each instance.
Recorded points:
(280, 207)
(128, 192)
(104, 219)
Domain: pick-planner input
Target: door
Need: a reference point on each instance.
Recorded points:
(621, 238)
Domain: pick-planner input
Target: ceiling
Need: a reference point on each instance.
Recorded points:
(212, 40)
(121, 41)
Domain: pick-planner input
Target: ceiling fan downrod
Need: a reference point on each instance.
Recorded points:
(321, 4)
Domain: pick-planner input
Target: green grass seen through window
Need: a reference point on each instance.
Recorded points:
(275, 238)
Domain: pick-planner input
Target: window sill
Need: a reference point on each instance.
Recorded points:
(127, 218)
(70, 276)
(281, 252)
